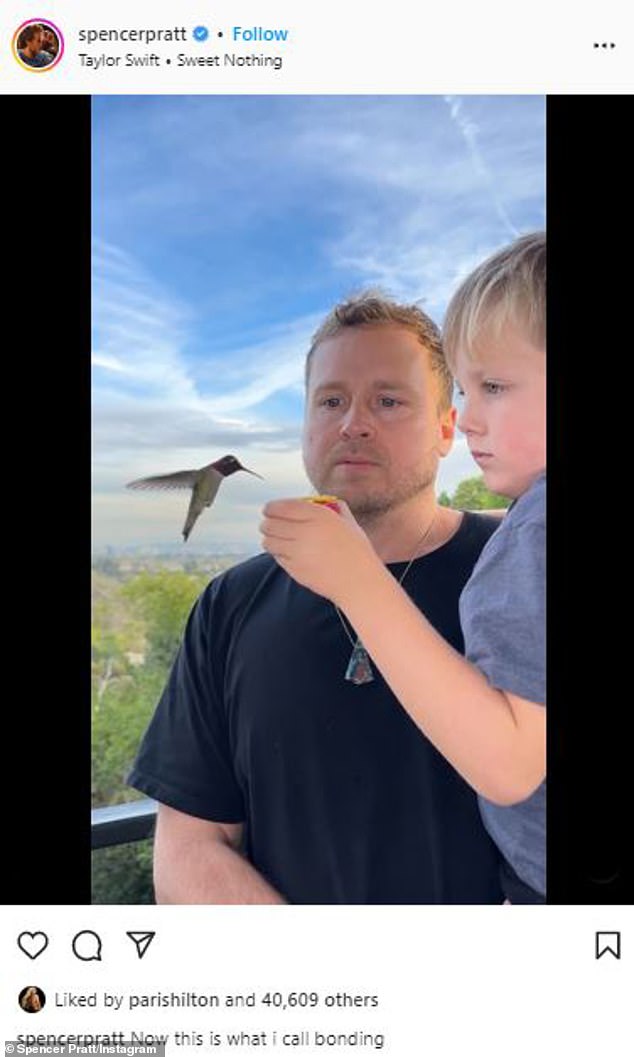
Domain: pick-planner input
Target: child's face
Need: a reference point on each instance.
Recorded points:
(504, 410)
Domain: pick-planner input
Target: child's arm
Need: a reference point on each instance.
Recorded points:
(496, 740)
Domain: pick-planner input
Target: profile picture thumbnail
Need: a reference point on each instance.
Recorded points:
(32, 999)
(38, 45)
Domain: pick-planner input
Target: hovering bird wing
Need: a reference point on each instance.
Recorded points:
(182, 479)
(203, 495)
(208, 486)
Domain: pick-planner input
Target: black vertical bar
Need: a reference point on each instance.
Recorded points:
(47, 499)
(589, 546)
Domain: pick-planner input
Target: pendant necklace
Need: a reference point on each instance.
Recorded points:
(359, 670)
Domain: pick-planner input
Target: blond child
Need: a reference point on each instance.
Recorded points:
(484, 712)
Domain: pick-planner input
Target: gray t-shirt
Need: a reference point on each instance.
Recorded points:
(503, 617)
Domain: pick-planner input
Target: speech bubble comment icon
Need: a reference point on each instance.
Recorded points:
(87, 946)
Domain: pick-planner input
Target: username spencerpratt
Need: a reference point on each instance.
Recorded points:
(141, 36)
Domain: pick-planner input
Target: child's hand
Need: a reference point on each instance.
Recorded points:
(319, 547)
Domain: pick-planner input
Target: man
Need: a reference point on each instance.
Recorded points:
(285, 770)
(31, 46)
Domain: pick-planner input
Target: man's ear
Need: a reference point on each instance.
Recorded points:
(447, 430)
(449, 427)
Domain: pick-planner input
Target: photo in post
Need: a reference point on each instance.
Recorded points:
(226, 229)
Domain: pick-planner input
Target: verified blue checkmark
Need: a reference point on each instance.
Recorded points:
(200, 33)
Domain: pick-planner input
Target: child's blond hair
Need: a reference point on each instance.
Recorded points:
(508, 287)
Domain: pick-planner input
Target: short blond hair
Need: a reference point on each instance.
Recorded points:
(508, 287)
(372, 308)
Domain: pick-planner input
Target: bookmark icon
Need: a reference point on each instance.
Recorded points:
(141, 941)
(607, 943)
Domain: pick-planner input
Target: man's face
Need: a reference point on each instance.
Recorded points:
(373, 433)
(504, 410)
(35, 43)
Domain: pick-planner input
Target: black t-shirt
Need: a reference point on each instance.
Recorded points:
(343, 799)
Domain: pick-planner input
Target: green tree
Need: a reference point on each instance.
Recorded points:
(137, 628)
(120, 715)
(123, 874)
(132, 658)
(472, 494)
(164, 599)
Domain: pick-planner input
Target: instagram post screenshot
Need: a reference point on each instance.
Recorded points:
(292, 581)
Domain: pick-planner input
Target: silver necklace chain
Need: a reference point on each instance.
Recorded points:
(359, 670)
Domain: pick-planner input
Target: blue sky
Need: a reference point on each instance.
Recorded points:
(226, 227)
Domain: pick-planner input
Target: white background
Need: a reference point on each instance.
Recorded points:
(478, 981)
(401, 47)
(512, 981)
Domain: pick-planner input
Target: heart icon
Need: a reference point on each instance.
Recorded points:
(33, 943)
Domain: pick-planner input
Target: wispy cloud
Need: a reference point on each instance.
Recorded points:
(226, 227)
(153, 401)
(142, 339)
(139, 328)
(425, 204)
(469, 131)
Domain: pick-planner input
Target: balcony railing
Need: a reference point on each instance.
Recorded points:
(122, 823)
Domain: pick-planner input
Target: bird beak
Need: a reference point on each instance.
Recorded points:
(251, 472)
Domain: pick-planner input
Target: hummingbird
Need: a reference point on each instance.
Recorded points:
(204, 484)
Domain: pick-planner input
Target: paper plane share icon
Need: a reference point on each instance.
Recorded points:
(141, 941)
